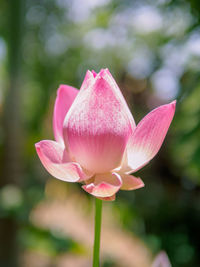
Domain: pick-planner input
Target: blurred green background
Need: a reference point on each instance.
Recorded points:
(152, 48)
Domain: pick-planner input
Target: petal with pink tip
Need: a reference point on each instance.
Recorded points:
(57, 162)
(104, 185)
(94, 73)
(88, 80)
(149, 136)
(97, 128)
(65, 97)
(130, 182)
(105, 73)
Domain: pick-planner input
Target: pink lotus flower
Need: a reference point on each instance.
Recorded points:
(97, 141)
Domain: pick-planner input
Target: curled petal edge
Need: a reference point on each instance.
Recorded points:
(62, 170)
(130, 182)
(102, 187)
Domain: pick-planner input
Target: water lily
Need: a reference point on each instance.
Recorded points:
(97, 142)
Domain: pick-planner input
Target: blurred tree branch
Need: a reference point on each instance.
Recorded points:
(12, 171)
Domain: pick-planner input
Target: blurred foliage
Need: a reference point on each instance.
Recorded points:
(152, 48)
(46, 241)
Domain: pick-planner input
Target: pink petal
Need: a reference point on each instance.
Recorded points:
(149, 136)
(105, 73)
(65, 97)
(161, 260)
(57, 162)
(98, 125)
(94, 73)
(130, 182)
(88, 80)
(104, 185)
(112, 198)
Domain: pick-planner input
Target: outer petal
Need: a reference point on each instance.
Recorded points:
(130, 182)
(57, 162)
(149, 136)
(65, 97)
(97, 127)
(104, 185)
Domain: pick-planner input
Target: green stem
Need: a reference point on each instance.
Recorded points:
(97, 232)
